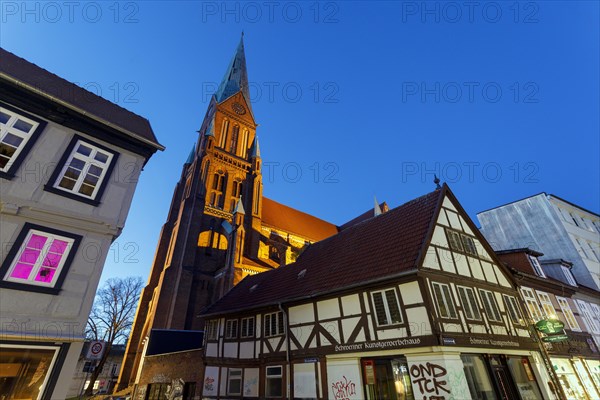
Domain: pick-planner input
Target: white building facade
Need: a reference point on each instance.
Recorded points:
(69, 165)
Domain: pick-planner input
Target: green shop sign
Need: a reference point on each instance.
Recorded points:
(550, 326)
(555, 338)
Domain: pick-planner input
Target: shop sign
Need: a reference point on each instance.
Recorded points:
(369, 369)
(550, 326)
(311, 360)
(555, 338)
(447, 340)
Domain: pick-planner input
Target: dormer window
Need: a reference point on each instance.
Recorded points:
(569, 276)
(537, 267)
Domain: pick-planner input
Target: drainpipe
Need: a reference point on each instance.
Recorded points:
(287, 350)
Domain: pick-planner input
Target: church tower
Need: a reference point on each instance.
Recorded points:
(216, 201)
(219, 227)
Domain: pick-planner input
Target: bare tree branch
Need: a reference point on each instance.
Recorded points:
(112, 316)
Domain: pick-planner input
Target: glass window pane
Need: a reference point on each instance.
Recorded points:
(23, 126)
(440, 301)
(7, 151)
(522, 373)
(85, 150)
(478, 378)
(101, 157)
(13, 140)
(394, 309)
(4, 117)
(25, 371)
(77, 163)
(21, 271)
(96, 170)
(380, 309)
(67, 183)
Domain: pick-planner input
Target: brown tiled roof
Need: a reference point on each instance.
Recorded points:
(277, 215)
(373, 250)
(364, 216)
(54, 86)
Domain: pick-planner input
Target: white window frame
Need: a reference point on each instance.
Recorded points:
(234, 377)
(537, 267)
(454, 240)
(446, 298)
(595, 312)
(89, 161)
(231, 329)
(386, 307)
(490, 305)
(568, 313)
(37, 266)
(469, 244)
(271, 377)
(547, 305)
(248, 327)
(469, 308)
(532, 303)
(512, 307)
(587, 316)
(211, 329)
(268, 324)
(569, 276)
(8, 128)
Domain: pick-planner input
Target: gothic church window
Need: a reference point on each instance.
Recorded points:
(216, 195)
(234, 139)
(224, 131)
(236, 191)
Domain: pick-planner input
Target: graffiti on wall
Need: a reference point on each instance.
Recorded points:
(343, 389)
(430, 379)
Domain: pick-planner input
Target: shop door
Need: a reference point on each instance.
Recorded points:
(502, 379)
(390, 380)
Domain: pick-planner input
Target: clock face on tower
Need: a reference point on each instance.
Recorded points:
(238, 108)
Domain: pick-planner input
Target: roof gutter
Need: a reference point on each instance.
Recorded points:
(82, 112)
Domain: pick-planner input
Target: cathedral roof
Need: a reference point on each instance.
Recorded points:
(236, 77)
(374, 250)
(288, 219)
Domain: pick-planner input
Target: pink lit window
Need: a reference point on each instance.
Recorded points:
(40, 259)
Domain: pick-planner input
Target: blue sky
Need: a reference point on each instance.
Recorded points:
(353, 99)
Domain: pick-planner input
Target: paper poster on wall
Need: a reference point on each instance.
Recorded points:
(211, 381)
(251, 382)
(305, 382)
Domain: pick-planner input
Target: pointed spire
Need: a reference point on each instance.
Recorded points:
(377, 209)
(190, 158)
(255, 149)
(236, 77)
(239, 207)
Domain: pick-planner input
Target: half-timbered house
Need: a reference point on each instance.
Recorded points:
(409, 304)
(551, 292)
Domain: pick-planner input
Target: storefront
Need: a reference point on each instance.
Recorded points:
(26, 369)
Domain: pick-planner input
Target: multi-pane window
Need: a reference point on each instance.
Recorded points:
(245, 135)
(588, 317)
(461, 242)
(84, 171)
(231, 329)
(469, 245)
(387, 308)
(513, 309)
(537, 267)
(40, 258)
(274, 381)
(443, 299)
(234, 381)
(569, 276)
(532, 304)
(15, 132)
(568, 313)
(218, 185)
(247, 327)
(547, 305)
(454, 240)
(489, 304)
(469, 303)
(274, 324)
(595, 308)
(211, 329)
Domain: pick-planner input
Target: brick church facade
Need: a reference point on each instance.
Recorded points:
(219, 227)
